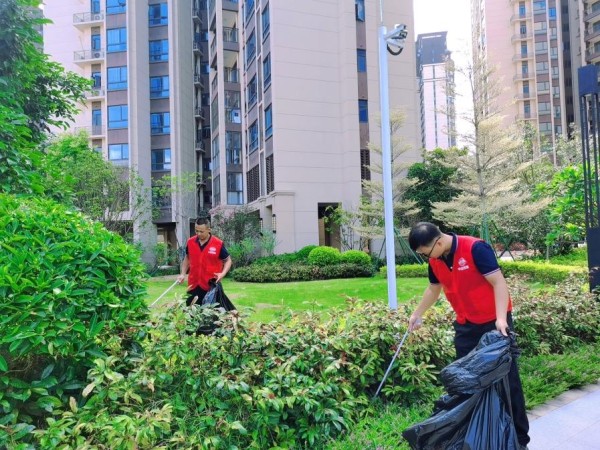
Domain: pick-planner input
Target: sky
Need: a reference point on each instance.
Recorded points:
(453, 16)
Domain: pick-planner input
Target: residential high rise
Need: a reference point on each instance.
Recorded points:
(436, 88)
(528, 44)
(272, 103)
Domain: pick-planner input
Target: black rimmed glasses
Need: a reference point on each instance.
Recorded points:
(428, 255)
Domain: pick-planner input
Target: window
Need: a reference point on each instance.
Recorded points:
(359, 6)
(523, 49)
(527, 108)
(269, 122)
(233, 147)
(117, 78)
(539, 6)
(526, 87)
(159, 87)
(252, 91)
(522, 10)
(543, 86)
(524, 67)
(161, 159)
(95, 6)
(253, 137)
(217, 190)
(116, 40)
(157, 15)
(250, 47)
(542, 67)
(544, 107)
(361, 60)
(363, 111)
(160, 123)
(159, 50)
(118, 152)
(267, 71)
(269, 169)
(552, 13)
(249, 9)
(97, 79)
(117, 116)
(253, 184)
(204, 67)
(266, 21)
(115, 6)
(95, 41)
(523, 28)
(234, 189)
(541, 47)
(96, 121)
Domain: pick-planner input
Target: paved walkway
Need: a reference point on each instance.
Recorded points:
(569, 422)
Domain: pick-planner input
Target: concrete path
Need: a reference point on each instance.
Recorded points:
(569, 422)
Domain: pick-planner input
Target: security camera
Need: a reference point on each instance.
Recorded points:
(395, 39)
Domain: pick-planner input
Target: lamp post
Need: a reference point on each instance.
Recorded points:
(392, 42)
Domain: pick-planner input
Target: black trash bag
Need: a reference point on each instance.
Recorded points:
(475, 415)
(214, 298)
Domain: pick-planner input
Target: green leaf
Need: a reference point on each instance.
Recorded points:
(3, 364)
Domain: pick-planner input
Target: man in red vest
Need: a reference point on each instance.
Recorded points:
(206, 258)
(467, 270)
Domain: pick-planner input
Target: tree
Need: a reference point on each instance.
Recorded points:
(78, 176)
(35, 94)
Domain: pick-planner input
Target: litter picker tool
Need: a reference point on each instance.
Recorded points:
(164, 293)
(392, 363)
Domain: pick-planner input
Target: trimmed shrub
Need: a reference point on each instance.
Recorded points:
(323, 256)
(301, 256)
(70, 292)
(278, 273)
(355, 257)
(407, 270)
(305, 251)
(540, 271)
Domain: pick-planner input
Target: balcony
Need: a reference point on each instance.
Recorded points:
(231, 75)
(198, 112)
(196, 14)
(517, 17)
(198, 79)
(523, 76)
(230, 34)
(521, 37)
(85, 56)
(592, 56)
(524, 96)
(199, 146)
(591, 15)
(592, 36)
(81, 20)
(233, 115)
(95, 93)
(522, 56)
(94, 131)
(524, 116)
(197, 47)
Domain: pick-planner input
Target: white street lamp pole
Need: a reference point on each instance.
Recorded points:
(392, 42)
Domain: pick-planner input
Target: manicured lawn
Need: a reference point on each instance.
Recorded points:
(270, 299)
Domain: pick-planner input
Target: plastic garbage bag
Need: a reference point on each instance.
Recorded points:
(475, 415)
(207, 318)
(216, 296)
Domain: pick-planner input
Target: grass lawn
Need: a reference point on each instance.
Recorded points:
(269, 299)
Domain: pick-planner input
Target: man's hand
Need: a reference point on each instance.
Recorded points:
(415, 322)
(502, 326)
(180, 278)
(219, 276)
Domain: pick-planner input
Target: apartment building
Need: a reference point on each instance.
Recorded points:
(272, 103)
(146, 110)
(436, 91)
(528, 43)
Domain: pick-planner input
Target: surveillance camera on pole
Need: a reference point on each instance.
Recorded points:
(392, 42)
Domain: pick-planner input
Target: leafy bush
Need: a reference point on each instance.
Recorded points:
(70, 292)
(275, 273)
(356, 257)
(407, 270)
(539, 271)
(301, 256)
(323, 256)
(305, 251)
(295, 384)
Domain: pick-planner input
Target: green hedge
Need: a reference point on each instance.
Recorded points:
(356, 257)
(324, 256)
(277, 273)
(301, 256)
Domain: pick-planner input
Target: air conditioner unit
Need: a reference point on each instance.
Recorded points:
(97, 55)
(236, 116)
(97, 17)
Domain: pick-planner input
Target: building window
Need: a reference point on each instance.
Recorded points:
(160, 123)
(250, 47)
(253, 184)
(359, 6)
(95, 6)
(233, 147)
(97, 79)
(270, 174)
(235, 189)
(269, 122)
(266, 21)
(96, 122)
(118, 152)
(157, 15)
(204, 68)
(117, 78)
(217, 190)
(161, 159)
(522, 10)
(159, 87)
(552, 13)
(95, 42)
(116, 40)
(159, 50)
(361, 60)
(253, 137)
(363, 111)
(117, 116)
(115, 6)
(252, 93)
(365, 163)
(267, 71)
(539, 6)
(248, 9)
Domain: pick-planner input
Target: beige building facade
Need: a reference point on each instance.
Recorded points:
(271, 104)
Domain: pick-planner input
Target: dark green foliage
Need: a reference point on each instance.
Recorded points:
(323, 256)
(70, 292)
(305, 251)
(356, 257)
(539, 271)
(35, 93)
(274, 273)
(407, 270)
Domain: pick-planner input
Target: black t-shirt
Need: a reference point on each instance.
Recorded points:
(223, 255)
(483, 256)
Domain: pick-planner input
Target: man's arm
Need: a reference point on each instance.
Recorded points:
(430, 296)
(226, 267)
(185, 265)
(501, 297)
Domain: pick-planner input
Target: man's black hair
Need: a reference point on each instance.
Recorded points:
(203, 221)
(422, 235)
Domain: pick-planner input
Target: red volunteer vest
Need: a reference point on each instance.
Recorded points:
(203, 263)
(470, 294)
